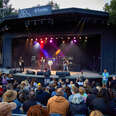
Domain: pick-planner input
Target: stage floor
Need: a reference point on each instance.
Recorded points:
(86, 73)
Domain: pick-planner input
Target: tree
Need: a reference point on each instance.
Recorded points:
(5, 8)
(111, 9)
(54, 5)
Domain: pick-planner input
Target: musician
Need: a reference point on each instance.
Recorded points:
(21, 64)
(42, 63)
(65, 65)
(50, 63)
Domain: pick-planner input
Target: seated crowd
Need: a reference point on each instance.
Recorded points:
(64, 97)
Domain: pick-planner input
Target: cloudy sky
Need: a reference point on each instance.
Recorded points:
(91, 4)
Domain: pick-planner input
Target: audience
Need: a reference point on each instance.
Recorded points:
(64, 96)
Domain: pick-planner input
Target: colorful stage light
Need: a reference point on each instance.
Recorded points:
(63, 42)
(68, 37)
(46, 38)
(80, 37)
(51, 41)
(51, 38)
(75, 41)
(74, 38)
(41, 42)
(58, 51)
(36, 45)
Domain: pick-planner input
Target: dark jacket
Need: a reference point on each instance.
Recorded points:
(42, 97)
(89, 100)
(78, 109)
(27, 104)
(112, 107)
(100, 104)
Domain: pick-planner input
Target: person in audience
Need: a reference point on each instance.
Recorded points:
(91, 97)
(78, 106)
(83, 93)
(74, 91)
(96, 113)
(11, 96)
(29, 102)
(39, 95)
(80, 82)
(112, 102)
(37, 110)
(113, 82)
(67, 90)
(6, 108)
(101, 101)
(58, 104)
(67, 82)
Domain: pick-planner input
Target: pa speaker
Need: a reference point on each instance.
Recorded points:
(12, 71)
(40, 73)
(63, 74)
(60, 74)
(30, 72)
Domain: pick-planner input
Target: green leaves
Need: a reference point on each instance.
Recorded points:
(111, 9)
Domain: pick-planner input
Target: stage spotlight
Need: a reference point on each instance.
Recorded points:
(31, 39)
(86, 37)
(63, 42)
(80, 38)
(36, 45)
(56, 37)
(51, 41)
(85, 40)
(46, 38)
(41, 41)
(51, 38)
(75, 41)
(71, 42)
(68, 37)
(74, 38)
(36, 39)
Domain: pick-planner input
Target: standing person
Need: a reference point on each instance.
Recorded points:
(105, 76)
(65, 65)
(42, 63)
(21, 64)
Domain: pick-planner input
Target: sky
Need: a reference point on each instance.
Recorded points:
(91, 4)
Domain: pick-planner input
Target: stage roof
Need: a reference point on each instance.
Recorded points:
(65, 11)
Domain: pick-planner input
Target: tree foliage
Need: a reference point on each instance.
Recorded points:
(6, 8)
(54, 5)
(111, 9)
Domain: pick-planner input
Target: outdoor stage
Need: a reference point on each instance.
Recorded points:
(73, 75)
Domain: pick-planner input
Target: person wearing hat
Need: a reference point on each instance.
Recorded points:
(58, 104)
(77, 105)
(6, 108)
(96, 113)
(11, 96)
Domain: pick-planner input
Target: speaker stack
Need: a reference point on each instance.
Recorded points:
(30, 72)
(63, 74)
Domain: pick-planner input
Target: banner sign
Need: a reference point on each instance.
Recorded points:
(36, 11)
